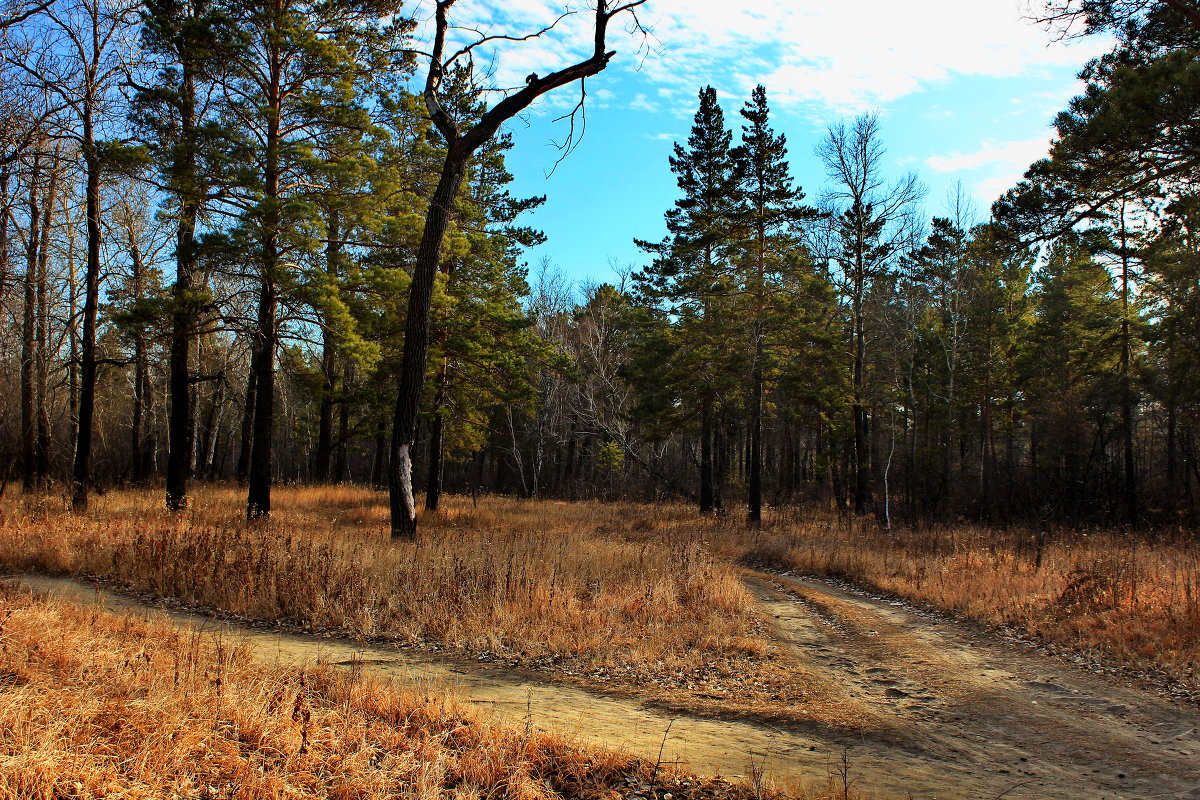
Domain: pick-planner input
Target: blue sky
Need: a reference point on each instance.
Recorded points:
(966, 92)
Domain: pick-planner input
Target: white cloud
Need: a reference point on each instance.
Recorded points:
(834, 58)
(991, 154)
(990, 189)
(997, 165)
(640, 103)
(849, 56)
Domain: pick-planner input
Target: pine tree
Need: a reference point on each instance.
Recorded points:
(1072, 372)
(769, 210)
(191, 40)
(292, 83)
(690, 278)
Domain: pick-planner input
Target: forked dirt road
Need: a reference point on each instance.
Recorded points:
(965, 716)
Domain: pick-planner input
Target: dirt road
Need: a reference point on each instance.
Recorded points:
(965, 716)
(985, 715)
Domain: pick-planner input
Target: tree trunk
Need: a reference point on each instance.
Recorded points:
(433, 479)
(42, 343)
(142, 393)
(258, 496)
(416, 344)
(720, 464)
(213, 465)
(1132, 512)
(81, 474)
(862, 465)
(341, 469)
(706, 457)
(28, 336)
(324, 451)
(1172, 424)
(379, 469)
(246, 442)
(987, 448)
(754, 513)
(73, 342)
(183, 315)
(328, 361)
(5, 215)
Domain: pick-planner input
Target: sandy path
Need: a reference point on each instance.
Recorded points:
(994, 713)
(966, 717)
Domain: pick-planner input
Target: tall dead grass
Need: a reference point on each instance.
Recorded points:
(533, 580)
(108, 706)
(631, 593)
(1117, 598)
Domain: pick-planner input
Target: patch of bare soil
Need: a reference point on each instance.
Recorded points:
(954, 713)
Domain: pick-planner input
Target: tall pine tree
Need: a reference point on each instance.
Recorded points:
(690, 278)
(769, 211)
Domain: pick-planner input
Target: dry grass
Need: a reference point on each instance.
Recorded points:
(581, 592)
(508, 577)
(643, 599)
(133, 708)
(1117, 598)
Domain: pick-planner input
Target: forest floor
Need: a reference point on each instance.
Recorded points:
(651, 620)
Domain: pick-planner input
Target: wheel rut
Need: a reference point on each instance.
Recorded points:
(1011, 714)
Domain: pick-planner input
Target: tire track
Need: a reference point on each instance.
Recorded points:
(970, 698)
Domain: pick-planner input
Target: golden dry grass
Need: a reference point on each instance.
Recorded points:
(534, 580)
(1121, 599)
(123, 707)
(579, 592)
(644, 599)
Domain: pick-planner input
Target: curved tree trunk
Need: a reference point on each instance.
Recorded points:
(416, 344)
(460, 147)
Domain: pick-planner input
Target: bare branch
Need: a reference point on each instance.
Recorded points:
(18, 15)
(485, 39)
(572, 141)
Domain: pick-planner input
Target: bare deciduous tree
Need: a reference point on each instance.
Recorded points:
(74, 51)
(1107, 14)
(871, 223)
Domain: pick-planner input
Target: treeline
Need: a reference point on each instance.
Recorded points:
(226, 203)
